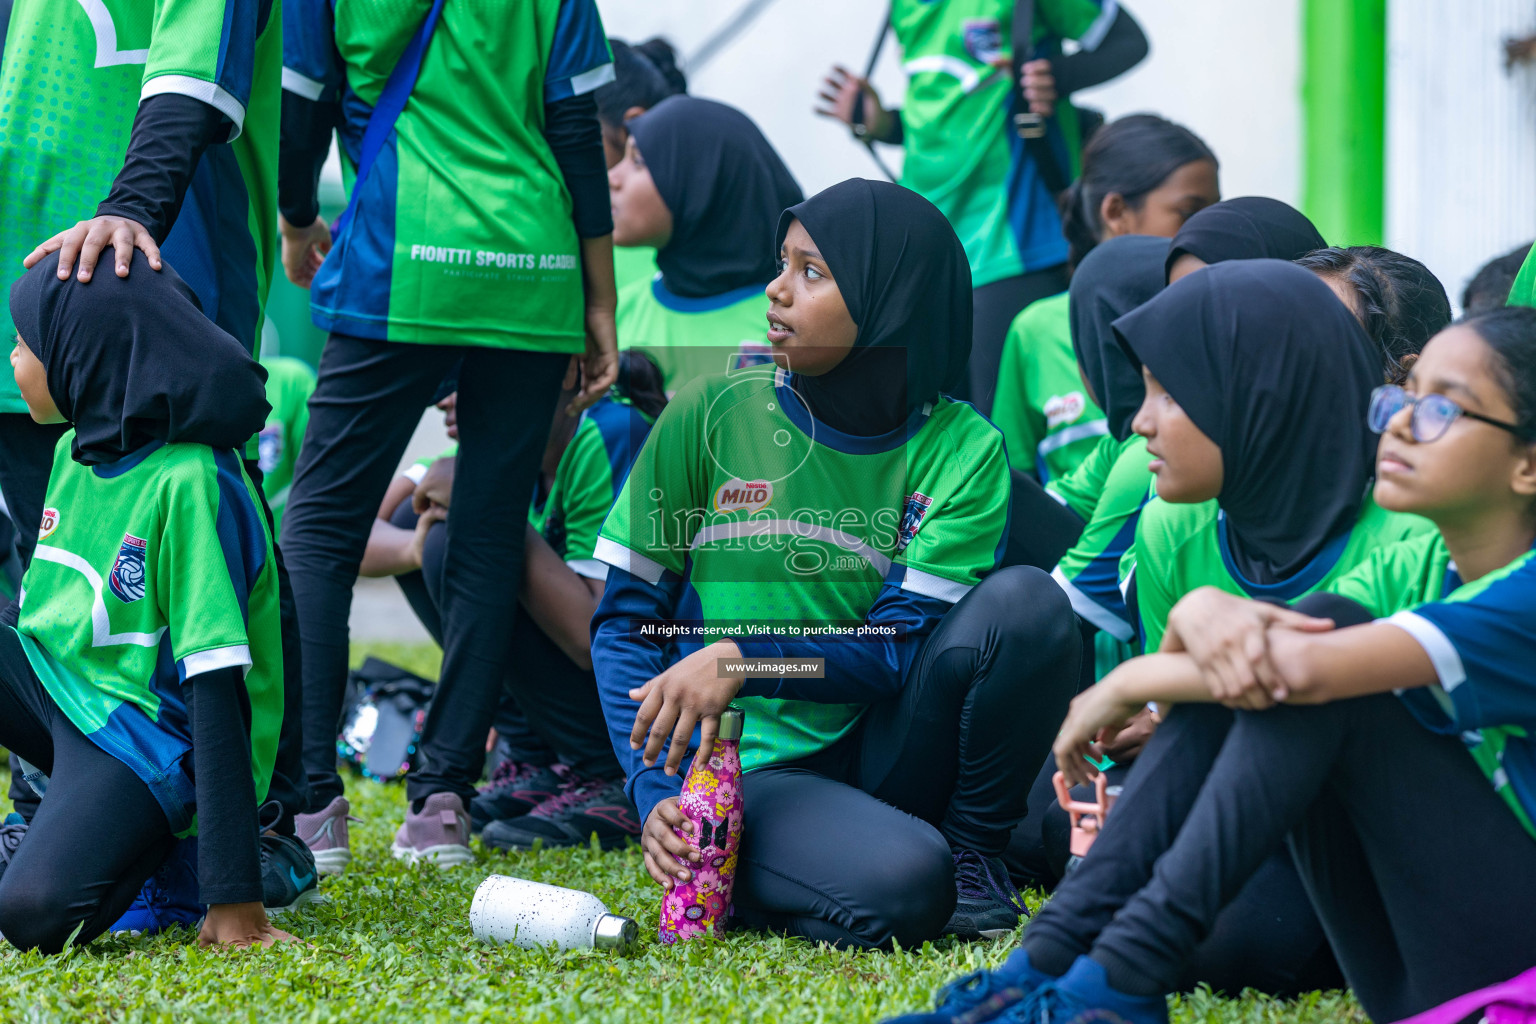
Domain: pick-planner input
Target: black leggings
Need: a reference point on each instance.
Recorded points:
(92, 843)
(361, 416)
(993, 307)
(549, 709)
(854, 845)
(26, 462)
(1424, 881)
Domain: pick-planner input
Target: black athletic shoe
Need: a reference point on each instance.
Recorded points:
(289, 878)
(515, 789)
(584, 808)
(12, 831)
(986, 904)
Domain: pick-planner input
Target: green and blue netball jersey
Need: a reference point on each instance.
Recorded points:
(588, 481)
(1481, 638)
(962, 153)
(691, 338)
(70, 83)
(149, 572)
(1090, 570)
(781, 526)
(1181, 547)
(462, 232)
(290, 382)
(1041, 406)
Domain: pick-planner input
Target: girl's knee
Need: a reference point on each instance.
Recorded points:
(32, 918)
(910, 900)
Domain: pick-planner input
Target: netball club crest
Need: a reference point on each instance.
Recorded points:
(127, 580)
(912, 518)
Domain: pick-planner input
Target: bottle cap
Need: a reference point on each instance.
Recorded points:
(615, 933)
(731, 722)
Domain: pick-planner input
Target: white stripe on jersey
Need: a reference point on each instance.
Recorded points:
(302, 85)
(1092, 611)
(101, 624)
(237, 656)
(632, 562)
(591, 568)
(216, 97)
(792, 528)
(1442, 653)
(936, 587)
(594, 79)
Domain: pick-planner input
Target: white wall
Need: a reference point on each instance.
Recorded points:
(1461, 134)
(1228, 71)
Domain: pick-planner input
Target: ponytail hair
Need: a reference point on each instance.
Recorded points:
(663, 56)
(1398, 301)
(1511, 334)
(637, 82)
(640, 383)
(1131, 156)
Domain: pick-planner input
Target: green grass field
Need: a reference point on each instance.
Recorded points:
(392, 943)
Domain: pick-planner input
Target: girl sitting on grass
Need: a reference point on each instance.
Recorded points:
(839, 488)
(144, 676)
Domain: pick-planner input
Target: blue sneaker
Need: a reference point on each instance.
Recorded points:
(983, 995)
(169, 897)
(289, 877)
(12, 831)
(1084, 995)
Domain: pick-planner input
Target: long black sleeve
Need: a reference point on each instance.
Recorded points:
(306, 141)
(228, 852)
(1123, 47)
(170, 133)
(571, 129)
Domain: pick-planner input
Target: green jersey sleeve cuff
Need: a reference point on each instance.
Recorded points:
(302, 85)
(591, 568)
(1091, 39)
(213, 95)
(199, 662)
(1092, 612)
(1442, 653)
(632, 562)
(937, 587)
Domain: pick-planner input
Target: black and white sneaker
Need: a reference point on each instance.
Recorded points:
(987, 906)
(582, 809)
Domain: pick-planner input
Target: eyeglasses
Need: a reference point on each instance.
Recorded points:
(1432, 414)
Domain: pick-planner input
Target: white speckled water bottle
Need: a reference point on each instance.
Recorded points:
(532, 915)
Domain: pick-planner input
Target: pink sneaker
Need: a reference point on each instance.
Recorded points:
(325, 833)
(439, 834)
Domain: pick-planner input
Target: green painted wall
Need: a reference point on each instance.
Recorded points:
(1343, 103)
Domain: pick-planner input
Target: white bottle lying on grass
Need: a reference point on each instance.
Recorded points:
(533, 915)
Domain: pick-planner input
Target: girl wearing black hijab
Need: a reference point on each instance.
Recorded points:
(701, 184)
(836, 505)
(144, 676)
(1241, 229)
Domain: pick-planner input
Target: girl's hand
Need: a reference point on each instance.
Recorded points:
(303, 250)
(1039, 86)
(436, 487)
(88, 239)
(240, 926)
(1098, 709)
(690, 693)
(1127, 741)
(839, 96)
(1225, 635)
(434, 514)
(665, 849)
(599, 362)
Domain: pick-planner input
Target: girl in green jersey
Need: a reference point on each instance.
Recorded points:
(701, 185)
(141, 671)
(1408, 815)
(1141, 175)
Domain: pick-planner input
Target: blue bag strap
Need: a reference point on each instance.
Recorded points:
(397, 90)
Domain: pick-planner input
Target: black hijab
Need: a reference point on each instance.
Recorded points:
(1251, 227)
(134, 360)
(907, 283)
(724, 185)
(1114, 278)
(1273, 368)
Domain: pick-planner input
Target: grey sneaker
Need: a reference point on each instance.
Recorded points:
(325, 833)
(438, 834)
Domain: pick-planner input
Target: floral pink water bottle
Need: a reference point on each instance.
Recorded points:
(711, 799)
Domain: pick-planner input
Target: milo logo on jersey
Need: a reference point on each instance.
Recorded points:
(1063, 409)
(127, 579)
(750, 354)
(49, 524)
(912, 519)
(743, 495)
